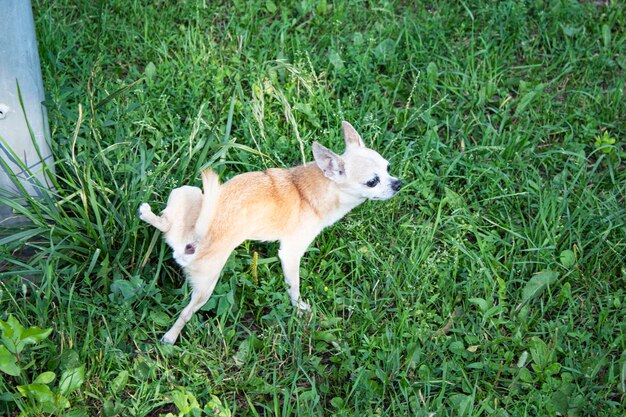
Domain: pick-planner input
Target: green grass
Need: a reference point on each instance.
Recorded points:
(492, 285)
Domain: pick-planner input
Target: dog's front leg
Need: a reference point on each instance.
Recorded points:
(290, 254)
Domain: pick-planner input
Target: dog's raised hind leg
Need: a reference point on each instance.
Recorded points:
(146, 214)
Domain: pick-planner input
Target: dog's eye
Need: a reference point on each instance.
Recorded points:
(373, 182)
(388, 168)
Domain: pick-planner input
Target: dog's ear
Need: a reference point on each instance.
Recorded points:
(351, 136)
(329, 162)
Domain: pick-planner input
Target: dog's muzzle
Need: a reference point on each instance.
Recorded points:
(396, 185)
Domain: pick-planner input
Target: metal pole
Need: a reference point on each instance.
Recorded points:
(19, 65)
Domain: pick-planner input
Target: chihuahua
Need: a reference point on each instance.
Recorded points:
(290, 205)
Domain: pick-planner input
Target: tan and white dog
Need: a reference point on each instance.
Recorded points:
(291, 206)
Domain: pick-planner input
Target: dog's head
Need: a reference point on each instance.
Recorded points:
(360, 171)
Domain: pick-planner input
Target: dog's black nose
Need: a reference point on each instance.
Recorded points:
(396, 185)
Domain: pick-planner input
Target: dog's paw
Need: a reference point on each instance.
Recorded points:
(302, 307)
(169, 339)
(144, 210)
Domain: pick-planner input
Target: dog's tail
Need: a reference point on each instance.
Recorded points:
(211, 192)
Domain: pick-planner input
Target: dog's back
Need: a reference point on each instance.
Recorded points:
(263, 206)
